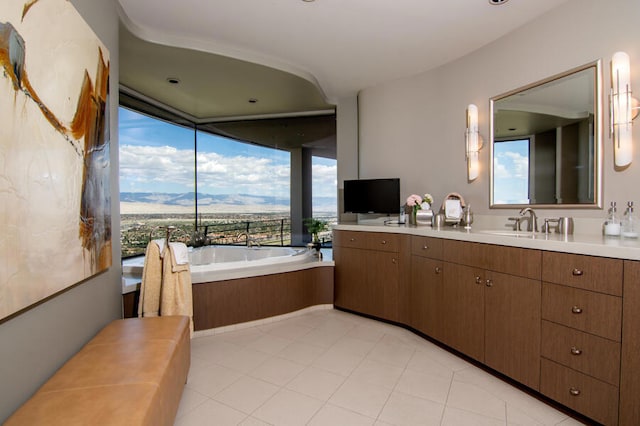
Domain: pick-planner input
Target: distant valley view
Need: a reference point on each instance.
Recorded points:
(146, 215)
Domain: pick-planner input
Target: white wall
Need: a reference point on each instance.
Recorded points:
(35, 343)
(413, 128)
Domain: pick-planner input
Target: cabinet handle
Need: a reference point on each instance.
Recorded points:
(438, 270)
(352, 239)
(383, 242)
(393, 260)
(576, 310)
(574, 391)
(478, 280)
(577, 272)
(489, 283)
(575, 351)
(425, 247)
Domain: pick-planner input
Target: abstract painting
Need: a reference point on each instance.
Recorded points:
(55, 212)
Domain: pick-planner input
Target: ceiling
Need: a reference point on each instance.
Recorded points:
(247, 59)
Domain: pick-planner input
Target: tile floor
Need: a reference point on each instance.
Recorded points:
(327, 367)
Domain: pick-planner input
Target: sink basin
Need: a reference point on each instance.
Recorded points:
(507, 233)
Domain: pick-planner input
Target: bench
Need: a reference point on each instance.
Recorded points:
(132, 372)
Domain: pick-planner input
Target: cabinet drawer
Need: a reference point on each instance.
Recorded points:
(585, 272)
(426, 247)
(591, 397)
(367, 240)
(592, 355)
(509, 260)
(595, 313)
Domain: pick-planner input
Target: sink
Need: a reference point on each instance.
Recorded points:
(507, 233)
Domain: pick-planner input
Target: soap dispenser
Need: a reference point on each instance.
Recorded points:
(612, 223)
(630, 225)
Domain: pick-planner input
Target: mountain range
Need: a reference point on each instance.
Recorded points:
(187, 199)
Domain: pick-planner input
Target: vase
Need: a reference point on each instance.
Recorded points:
(424, 217)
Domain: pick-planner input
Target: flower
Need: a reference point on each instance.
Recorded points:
(418, 202)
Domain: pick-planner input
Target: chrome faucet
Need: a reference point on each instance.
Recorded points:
(249, 241)
(532, 220)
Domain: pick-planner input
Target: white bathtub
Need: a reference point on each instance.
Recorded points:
(216, 263)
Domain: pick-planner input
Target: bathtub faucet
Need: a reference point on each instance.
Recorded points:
(250, 241)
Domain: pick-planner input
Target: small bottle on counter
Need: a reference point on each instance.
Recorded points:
(630, 225)
(612, 225)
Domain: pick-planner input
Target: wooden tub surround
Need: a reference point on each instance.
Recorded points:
(131, 373)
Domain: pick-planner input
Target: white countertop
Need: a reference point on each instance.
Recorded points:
(588, 244)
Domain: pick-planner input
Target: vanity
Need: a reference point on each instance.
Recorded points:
(559, 315)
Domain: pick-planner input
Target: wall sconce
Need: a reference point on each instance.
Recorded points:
(621, 109)
(473, 143)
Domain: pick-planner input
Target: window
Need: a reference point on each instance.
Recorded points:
(210, 187)
(511, 172)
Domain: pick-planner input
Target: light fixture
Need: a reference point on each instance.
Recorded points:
(621, 109)
(473, 143)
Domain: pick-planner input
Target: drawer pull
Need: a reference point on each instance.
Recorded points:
(425, 248)
(393, 260)
(576, 310)
(383, 242)
(574, 391)
(478, 280)
(577, 272)
(438, 270)
(575, 351)
(489, 283)
(352, 239)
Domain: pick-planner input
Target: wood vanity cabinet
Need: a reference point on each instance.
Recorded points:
(581, 333)
(426, 313)
(368, 272)
(492, 306)
(630, 362)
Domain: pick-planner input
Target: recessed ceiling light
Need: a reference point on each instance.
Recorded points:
(308, 1)
(497, 2)
(173, 80)
(253, 101)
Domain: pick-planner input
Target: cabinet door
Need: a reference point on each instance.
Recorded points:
(426, 313)
(350, 278)
(382, 285)
(464, 309)
(512, 326)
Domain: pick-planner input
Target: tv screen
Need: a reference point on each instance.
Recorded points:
(372, 196)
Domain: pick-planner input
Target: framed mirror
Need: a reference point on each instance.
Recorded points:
(546, 142)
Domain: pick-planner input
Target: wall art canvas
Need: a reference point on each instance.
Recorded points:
(55, 222)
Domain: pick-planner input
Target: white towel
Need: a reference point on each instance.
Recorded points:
(160, 243)
(453, 209)
(180, 253)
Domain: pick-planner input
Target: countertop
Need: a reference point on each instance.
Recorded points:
(587, 244)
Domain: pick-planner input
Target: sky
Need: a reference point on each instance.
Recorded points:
(158, 157)
(511, 172)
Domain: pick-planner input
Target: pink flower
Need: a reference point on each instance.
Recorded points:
(414, 200)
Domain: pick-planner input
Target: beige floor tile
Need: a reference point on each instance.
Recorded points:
(456, 417)
(270, 344)
(302, 353)
(427, 386)
(212, 379)
(299, 409)
(474, 399)
(246, 394)
(289, 329)
(317, 383)
(278, 371)
(403, 409)
(243, 360)
(338, 361)
(398, 355)
(361, 397)
(190, 400)
(331, 415)
(377, 373)
(211, 413)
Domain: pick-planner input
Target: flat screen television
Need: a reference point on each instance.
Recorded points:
(380, 196)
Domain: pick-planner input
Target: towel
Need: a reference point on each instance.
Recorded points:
(453, 209)
(160, 242)
(149, 302)
(180, 252)
(175, 297)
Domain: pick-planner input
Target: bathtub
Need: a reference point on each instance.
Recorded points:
(217, 263)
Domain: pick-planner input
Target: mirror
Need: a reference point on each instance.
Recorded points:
(546, 142)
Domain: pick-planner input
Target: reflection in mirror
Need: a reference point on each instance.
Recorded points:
(546, 143)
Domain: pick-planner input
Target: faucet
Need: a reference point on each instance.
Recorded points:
(249, 241)
(532, 220)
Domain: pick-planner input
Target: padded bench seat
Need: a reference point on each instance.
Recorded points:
(131, 373)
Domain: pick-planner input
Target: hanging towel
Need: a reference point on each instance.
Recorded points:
(453, 209)
(180, 252)
(176, 298)
(149, 303)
